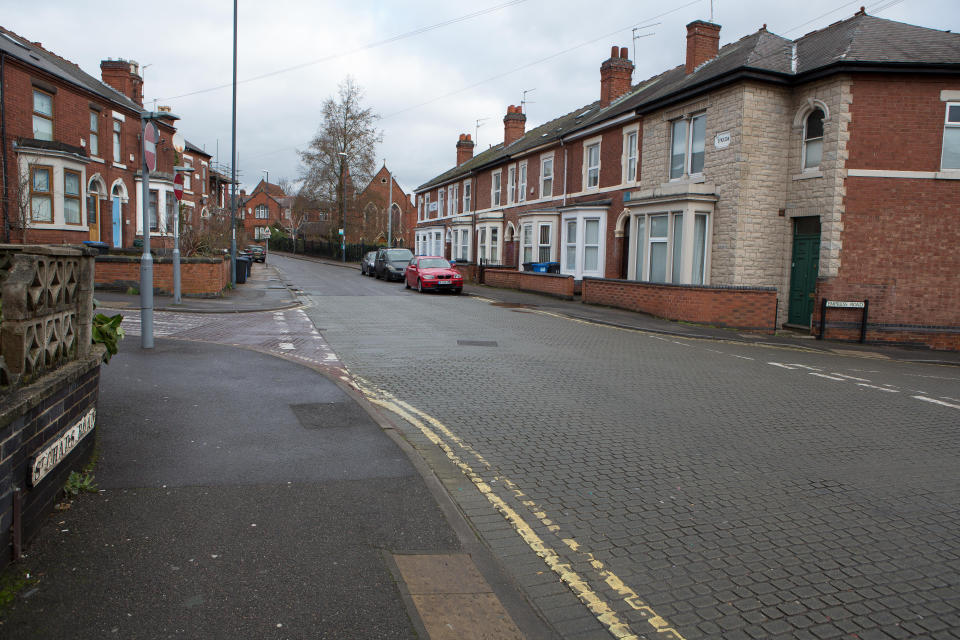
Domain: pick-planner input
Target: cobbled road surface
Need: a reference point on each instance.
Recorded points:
(644, 486)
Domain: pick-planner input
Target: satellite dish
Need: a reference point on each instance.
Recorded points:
(178, 142)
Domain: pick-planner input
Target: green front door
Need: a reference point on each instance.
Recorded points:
(803, 276)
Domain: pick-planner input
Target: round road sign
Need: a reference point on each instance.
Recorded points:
(150, 139)
(178, 186)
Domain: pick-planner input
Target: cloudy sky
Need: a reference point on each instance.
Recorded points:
(430, 68)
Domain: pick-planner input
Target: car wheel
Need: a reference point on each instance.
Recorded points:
(419, 286)
(457, 292)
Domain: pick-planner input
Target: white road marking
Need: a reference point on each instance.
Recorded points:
(934, 401)
(873, 386)
(287, 346)
(851, 377)
(823, 375)
(741, 357)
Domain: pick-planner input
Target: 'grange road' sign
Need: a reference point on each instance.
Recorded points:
(49, 457)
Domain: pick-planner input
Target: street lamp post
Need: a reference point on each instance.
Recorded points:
(343, 206)
(233, 160)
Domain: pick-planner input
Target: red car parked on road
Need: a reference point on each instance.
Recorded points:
(432, 273)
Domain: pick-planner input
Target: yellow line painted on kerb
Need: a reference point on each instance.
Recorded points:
(597, 605)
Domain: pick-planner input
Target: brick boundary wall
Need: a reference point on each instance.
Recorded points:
(32, 417)
(743, 308)
(882, 325)
(199, 277)
(552, 284)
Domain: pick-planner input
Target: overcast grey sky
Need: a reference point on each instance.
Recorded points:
(428, 88)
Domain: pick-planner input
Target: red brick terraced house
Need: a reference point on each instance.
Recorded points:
(741, 188)
(266, 206)
(71, 152)
(198, 195)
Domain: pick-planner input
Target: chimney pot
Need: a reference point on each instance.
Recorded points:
(464, 148)
(616, 75)
(703, 43)
(514, 124)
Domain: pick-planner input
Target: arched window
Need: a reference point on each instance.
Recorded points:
(813, 139)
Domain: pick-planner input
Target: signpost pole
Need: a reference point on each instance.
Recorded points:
(178, 192)
(823, 318)
(863, 321)
(146, 260)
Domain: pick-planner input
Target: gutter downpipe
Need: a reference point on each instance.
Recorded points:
(3, 148)
(564, 172)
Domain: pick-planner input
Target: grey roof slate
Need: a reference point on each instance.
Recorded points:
(189, 146)
(18, 47)
(861, 39)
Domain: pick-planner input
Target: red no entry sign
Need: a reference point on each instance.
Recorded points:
(150, 139)
(178, 186)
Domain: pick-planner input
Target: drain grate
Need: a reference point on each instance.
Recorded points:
(330, 415)
(477, 343)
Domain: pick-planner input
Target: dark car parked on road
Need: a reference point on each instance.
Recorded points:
(367, 264)
(257, 253)
(391, 263)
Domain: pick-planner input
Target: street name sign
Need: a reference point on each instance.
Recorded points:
(840, 304)
(52, 455)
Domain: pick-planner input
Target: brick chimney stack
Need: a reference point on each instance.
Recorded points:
(464, 148)
(514, 124)
(124, 76)
(703, 43)
(616, 75)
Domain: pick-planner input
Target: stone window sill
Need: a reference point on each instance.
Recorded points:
(807, 175)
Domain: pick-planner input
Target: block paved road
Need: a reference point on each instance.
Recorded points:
(646, 486)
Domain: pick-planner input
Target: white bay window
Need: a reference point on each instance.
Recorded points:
(584, 231)
(670, 245)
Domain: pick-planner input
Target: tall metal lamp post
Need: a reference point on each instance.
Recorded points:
(343, 206)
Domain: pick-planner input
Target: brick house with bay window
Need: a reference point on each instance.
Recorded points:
(767, 174)
(71, 153)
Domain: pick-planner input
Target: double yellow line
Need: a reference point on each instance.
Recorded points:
(455, 449)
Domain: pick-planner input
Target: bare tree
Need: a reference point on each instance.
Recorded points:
(18, 202)
(346, 142)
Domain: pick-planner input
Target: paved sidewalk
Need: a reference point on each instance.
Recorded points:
(645, 322)
(244, 495)
(264, 290)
